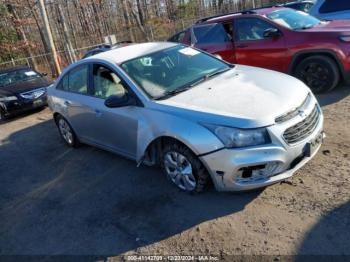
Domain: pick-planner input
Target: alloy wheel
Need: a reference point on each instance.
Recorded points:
(316, 76)
(179, 170)
(66, 131)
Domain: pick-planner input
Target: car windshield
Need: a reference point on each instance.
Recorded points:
(14, 77)
(295, 20)
(172, 70)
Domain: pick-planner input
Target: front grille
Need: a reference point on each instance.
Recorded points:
(34, 94)
(293, 113)
(303, 129)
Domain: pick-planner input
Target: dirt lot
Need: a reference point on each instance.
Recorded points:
(56, 200)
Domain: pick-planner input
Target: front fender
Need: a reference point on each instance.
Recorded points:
(157, 124)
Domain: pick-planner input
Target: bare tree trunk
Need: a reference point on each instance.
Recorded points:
(139, 22)
(69, 45)
(127, 20)
(21, 34)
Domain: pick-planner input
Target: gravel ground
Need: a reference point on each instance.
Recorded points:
(56, 200)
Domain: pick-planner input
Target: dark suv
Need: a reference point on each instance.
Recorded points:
(304, 5)
(277, 38)
(104, 48)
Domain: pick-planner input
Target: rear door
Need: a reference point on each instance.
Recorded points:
(216, 39)
(75, 100)
(252, 48)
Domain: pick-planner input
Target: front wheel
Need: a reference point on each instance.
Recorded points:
(320, 73)
(183, 168)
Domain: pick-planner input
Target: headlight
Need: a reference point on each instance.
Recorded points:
(235, 137)
(8, 98)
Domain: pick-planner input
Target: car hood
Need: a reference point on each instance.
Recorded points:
(332, 26)
(244, 97)
(24, 86)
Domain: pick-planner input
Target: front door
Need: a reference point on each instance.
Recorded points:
(253, 49)
(113, 128)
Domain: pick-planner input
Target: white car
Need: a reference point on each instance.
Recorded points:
(331, 9)
(195, 115)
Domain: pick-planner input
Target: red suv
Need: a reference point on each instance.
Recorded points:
(277, 38)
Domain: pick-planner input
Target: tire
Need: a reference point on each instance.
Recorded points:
(320, 73)
(66, 131)
(183, 168)
(2, 116)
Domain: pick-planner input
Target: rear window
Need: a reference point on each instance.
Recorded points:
(334, 6)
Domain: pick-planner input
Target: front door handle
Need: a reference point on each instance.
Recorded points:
(242, 46)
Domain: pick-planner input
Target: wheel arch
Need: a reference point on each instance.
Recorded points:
(154, 148)
(300, 56)
(56, 115)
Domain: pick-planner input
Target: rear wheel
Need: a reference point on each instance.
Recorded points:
(320, 73)
(183, 168)
(66, 131)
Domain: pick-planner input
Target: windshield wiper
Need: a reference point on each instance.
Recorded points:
(219, 72)
(208, 76)
(200, 80)
(172, 93)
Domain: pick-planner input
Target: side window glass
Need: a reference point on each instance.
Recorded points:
(178, 37)
(212, 33)
(307, 7)
(106, 82)
(229, 30)
(251, 29)
(78, 80)
(63, 84)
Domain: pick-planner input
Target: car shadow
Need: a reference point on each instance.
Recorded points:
(59, 200)
(333, 96)
(329, 239)
(22, 114)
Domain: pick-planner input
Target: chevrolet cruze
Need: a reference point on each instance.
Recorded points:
(197, 117)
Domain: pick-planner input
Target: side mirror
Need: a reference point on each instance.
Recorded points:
(44, 74)
(119, 100)
(272, 32)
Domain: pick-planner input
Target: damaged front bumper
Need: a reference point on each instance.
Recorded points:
(256, 167)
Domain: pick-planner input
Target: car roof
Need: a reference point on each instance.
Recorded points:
(224, 17)
(298, 2)
(129, 52)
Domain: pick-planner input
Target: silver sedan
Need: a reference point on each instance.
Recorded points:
(191, 113)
